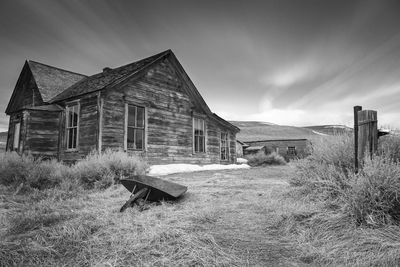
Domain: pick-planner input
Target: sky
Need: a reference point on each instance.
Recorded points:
(287, 62)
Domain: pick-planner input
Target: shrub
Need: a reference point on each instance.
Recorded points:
(101, 170)
(337, 150)
(373, 197)
(261, 159)
(389, 146)
(97, 170)
(14, 169)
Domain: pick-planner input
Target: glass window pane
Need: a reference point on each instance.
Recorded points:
(201, 144)
(139, 139)
(75, 114)
(17, 129)
(70, 136)
(132, 116)
(75, 130)
(196, 144)
(131, 138)
(140, 117)
(69, 119)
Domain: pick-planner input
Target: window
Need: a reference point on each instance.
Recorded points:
(135, 136)
(72, 126)
(17, 129)
(224, 146)
(291, 150)
(199, 135)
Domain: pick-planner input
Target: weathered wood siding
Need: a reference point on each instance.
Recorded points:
(27, 94)
(88, 129)
(42, 133)
(169, 119)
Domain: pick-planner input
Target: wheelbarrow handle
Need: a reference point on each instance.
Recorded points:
(140, 194)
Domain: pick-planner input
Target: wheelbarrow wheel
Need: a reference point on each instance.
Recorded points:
(140, 194)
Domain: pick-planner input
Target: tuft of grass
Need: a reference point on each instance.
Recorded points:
(262, 159)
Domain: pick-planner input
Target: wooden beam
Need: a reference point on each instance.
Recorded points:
(356, 110)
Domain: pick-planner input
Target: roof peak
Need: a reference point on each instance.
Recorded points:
(36, 62)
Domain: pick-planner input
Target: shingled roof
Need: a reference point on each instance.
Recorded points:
(107, 77)
(51, 80)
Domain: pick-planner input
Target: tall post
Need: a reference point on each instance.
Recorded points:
(356, 110)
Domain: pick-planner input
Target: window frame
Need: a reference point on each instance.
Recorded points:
(221, 143)
(203, 136)
(291, 150)
(68, 127)
(135, 128)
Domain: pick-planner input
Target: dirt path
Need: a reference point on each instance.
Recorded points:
(245, 206)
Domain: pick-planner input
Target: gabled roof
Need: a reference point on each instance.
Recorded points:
(112, 77)
(51, 80)
(101, 80)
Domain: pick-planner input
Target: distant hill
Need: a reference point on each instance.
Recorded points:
(330, 129)
(258, 131)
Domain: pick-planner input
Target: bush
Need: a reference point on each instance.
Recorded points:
(373, 197)
(261, 159)
(97, 170)
(337, 150)
(101, 170)
(389, 146)
(15, 169)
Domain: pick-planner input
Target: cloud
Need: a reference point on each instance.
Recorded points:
(288, 75)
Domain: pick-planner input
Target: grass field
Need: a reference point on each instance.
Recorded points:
(227, 218)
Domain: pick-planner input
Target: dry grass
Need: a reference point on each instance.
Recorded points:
(227, 218)
(359, 219)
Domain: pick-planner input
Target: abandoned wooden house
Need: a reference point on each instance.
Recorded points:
(150, 108)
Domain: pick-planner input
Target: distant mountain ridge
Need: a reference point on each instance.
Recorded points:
(259, 131)
(330, 129)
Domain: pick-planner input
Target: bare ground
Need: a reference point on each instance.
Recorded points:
(247, 205)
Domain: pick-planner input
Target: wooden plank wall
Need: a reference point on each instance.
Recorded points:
(169, 119)
(27, 94)
(42, 133)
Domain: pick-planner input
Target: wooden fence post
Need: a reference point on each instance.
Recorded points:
(356, 110)
(367, 133)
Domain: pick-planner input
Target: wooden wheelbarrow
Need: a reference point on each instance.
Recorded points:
(151, 189)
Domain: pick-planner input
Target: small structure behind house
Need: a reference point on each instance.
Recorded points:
(287, 148)
(240, 147)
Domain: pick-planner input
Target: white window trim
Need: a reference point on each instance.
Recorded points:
(68, 106)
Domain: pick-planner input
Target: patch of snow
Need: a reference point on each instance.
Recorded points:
(319, 133)
(335, 126)
(178, 168)
(241, 160)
